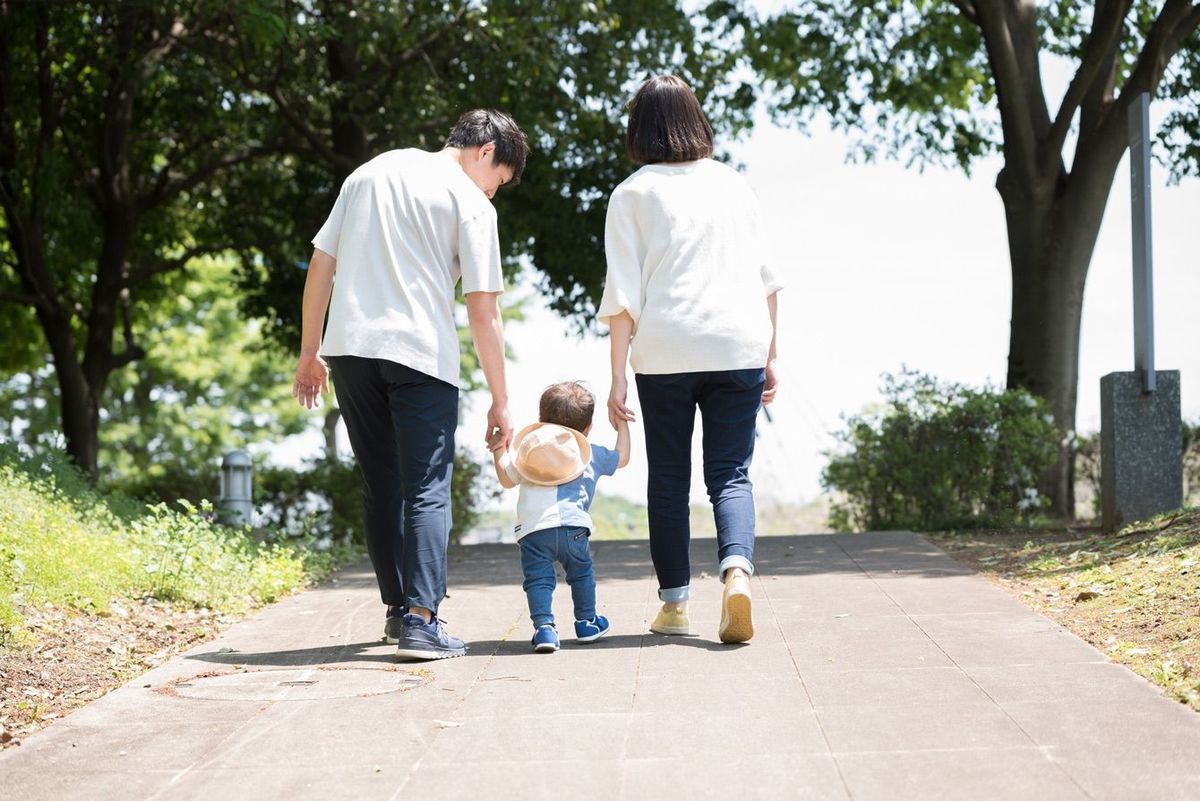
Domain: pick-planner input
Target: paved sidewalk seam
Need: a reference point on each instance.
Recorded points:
(1061, 769)
(637, 679)
(804, 686)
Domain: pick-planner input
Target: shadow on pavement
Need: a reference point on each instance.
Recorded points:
(301, 657)
(511, 646)
(795, 555)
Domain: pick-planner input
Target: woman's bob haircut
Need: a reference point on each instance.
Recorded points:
(666, 123)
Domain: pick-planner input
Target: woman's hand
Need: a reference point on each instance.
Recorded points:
(312, 378)
(772, 383)
(617, 410)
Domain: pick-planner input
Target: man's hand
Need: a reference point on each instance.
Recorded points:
(772, 383)
(617, 410)
(312, 378)
(499, 428)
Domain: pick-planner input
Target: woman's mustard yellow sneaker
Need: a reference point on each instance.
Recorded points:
(671, 621)
(736, 622)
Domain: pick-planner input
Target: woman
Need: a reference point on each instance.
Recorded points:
(690, 301)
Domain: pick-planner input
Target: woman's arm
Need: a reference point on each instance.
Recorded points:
(772, 377)
(620, 333)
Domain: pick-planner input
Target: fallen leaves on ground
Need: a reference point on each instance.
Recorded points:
(78, 657)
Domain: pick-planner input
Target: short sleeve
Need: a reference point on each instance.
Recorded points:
(510, 470)
(479, 253)
(772, 281)
(624, 252)
(331, 232)
(604, 461)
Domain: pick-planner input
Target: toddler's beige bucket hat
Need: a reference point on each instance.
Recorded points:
(549, 454)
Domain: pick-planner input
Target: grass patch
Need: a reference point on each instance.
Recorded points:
(1134, 595)
(65, 545)
(96, 589)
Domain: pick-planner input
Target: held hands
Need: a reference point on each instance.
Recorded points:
(499, 428)
(772, 384)
(312, 378)
(618, 412)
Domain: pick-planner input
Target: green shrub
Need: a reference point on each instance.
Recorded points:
(63, 543)
(941, 455)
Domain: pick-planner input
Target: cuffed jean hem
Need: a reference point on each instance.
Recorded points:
(734, 561)
(674, 595)
(542, 620)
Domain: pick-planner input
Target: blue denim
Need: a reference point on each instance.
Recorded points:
(729, 401)
(401, 424)
(567, 545)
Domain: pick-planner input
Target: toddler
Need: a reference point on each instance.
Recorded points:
(557, 468)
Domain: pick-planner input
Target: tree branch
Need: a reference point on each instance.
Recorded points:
(21, 298)
(1168, 32)
(1097, 51)
(160, 266)
(1020, 143)
(418, 50)
(168, 189)
(310, 134)
(967, 8)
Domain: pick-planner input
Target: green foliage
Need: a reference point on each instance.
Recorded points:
(208, 384)
(353, 79)
(65, 544)
(940, 456)
(914, 78)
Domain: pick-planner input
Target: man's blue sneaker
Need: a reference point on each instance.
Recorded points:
(421, 640)
(591, 630)
(545, 639)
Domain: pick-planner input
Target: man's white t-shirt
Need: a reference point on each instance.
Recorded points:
(688, 259)
(406, 226)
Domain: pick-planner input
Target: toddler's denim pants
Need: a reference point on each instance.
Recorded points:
(567, 545)
(729, 401)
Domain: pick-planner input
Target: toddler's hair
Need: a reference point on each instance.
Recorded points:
(567, 404)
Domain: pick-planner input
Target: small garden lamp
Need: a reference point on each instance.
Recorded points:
(237, 499)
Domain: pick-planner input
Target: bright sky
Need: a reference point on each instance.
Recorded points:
(888, 267)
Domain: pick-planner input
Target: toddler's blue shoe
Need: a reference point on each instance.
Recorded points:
(545, 639)
(591, 630)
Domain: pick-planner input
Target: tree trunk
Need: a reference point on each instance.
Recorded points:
(1052, 230)
(77, 402)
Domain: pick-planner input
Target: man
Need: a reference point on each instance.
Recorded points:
(406, 226)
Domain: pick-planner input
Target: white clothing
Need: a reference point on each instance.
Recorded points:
(405, 227)
(687, 258)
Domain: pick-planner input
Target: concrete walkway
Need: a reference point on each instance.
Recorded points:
(881, 669)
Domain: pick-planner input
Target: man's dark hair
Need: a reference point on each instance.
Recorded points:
(567, 404)
(667, 124)
(482, 125)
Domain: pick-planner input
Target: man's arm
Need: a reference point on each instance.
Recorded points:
(622, 443)
(487, 331)
(312, 374)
